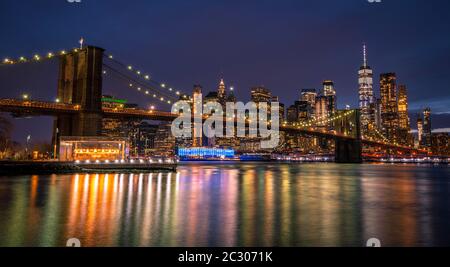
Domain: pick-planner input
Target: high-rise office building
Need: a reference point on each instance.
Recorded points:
(322, 110)
(309, 95)
(328, 88)
(261, 94)
(197, 95)
(221, 91)
(292, 114)
(426, 136)
(112, 127)
(389, 107)
(219, 96)
(303, 111)
(140, 135)
(404, 126)
(376, 109)
(419, 129)
(366, 95)
(164, 141)
(403, 116)
(299, 112)
(330, 92)
(142, 139)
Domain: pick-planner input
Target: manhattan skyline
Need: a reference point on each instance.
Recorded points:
(282, 47)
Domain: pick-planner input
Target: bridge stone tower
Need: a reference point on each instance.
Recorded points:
(80, 83)
(349, 150)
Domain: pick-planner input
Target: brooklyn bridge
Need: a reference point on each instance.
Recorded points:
(78, 109)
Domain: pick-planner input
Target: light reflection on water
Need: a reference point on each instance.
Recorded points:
(244, 204)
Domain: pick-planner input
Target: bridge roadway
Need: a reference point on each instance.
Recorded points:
(33, 108)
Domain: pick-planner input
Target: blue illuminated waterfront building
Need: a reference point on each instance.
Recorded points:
(205, 153)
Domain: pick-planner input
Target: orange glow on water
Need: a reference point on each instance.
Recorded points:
(253, 205)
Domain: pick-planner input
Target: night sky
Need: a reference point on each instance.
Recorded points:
(282, 44)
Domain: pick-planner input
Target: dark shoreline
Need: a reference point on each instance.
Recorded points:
(54, 167)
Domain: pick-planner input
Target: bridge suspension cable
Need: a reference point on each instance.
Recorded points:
(321, 120)
(141, 87)
(380, 135)
(382, 139)
(36, 57)
(146, 77)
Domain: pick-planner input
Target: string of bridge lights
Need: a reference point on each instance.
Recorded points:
(140, 88)
(36, 57)
(51, 55)
(323, 119)
(381, 135)
(385, 140)
(145, 76)
(147, 92)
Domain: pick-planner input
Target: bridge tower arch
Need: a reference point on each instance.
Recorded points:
(80, 83)
(349, 150)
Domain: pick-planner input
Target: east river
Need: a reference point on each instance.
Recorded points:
(232, 204)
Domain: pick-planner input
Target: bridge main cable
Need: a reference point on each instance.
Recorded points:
(36, 58)
(144, 88)
(146, 77)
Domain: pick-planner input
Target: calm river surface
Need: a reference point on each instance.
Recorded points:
(232, 204)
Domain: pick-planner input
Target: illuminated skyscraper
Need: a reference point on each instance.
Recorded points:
(366, 98)
(292, 114)
(261, 94)
(389, 107)
(377, 113)
(328, 88)
(404, 126)
(403, 108)
(426, 136)
(221, 92)
(197, 110)
(164, 141)
(309, 95)
(419, 129)
(322, 112)
(330, 92)
(304, 111)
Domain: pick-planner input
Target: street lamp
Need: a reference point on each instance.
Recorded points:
(25, 97)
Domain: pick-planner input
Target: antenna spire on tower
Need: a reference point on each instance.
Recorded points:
(81, 42)
(365, 54)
